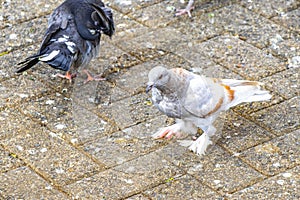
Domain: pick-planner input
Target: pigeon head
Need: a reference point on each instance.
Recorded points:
(158, 78)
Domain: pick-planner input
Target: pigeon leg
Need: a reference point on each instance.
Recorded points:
(200, 145)
(168, 132)
(187, 9)
(68, 76)
(91, 78)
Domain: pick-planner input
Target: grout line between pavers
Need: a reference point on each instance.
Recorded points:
(39, 173)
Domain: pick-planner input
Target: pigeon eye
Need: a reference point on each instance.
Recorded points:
(160, 77)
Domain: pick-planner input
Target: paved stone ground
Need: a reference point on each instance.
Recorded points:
(92, 141)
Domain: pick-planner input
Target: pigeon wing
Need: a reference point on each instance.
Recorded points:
(203, 97)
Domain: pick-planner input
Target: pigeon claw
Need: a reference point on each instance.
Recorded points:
(184, 11)
(91, 78)
(68, 76)
(167, 132)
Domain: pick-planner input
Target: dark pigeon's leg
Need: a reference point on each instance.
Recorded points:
(93, 78)
(68, 76)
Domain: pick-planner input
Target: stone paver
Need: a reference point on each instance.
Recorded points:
(61, 140)
(23, 183)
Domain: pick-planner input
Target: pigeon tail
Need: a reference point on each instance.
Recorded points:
(241, 91)
(55, 55)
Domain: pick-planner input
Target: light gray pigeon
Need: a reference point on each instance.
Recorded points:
(196, 101)
(73, 36)
(186, 10)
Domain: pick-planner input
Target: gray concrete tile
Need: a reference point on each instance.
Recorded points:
(110, 59)
(13, 123)
(239, 134)
(286, 83)
(138, 197)
(8, 161)
(108, 151)
(201, 64)
(275, 156)
(240, 57)
(290, 19)
(15, 12)
(270, 8)
(152, 18)
(182, 187)
(125, 180)
(131, 6)
(250, 27)
(9, 61)
(154, 43)
(280, 118)
(22, 183)
(23, 34)
(70, 120)
(130, 111)
(137, 139)
(51, 156)
(282, 186)
(217, 169)
(19, 89)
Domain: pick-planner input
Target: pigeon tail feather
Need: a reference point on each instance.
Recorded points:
(245, 91)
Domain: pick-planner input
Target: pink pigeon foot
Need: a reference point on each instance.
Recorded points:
(187, 9)
(168, 132)
(91, 78)
(68, 76)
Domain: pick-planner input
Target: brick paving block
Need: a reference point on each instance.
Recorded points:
(154, 43)
(280, 118)
(131, 6)
(13, 123)
(255, 29)
(275, 156)
(157, 15)
(130, 111)
(217, 169)
(8, 161)
(22, 183)
(68, 119)
(137, 139)
(96, 95)
(286, 83)
(23, 34)
(125, 180)
(49, 154)
(14, 12)
(184, 187)
(283, 186)
(290, 19)
(18, 89)
(10, 60)
(270, 8)
(110, 57)
(241, 57)
(201, 64)
(138, 197)
(108, 151)
(239, 134)
(126, 28)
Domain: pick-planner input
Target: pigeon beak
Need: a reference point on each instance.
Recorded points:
(149, 86)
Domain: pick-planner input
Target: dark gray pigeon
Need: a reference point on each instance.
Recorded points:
(73, 36)
(196, 101)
